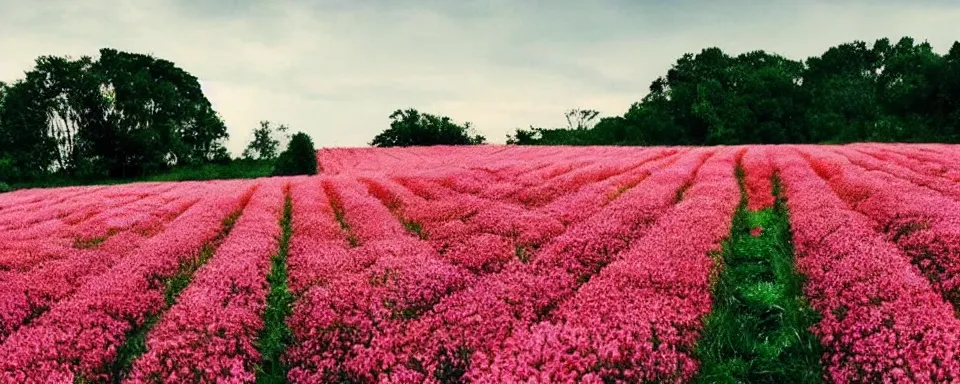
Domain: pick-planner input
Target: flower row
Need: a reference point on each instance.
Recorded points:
(881, 322)
(348, 329)
(924, 223)
(81, 335)
(210, 333)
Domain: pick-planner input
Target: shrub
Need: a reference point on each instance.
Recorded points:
(299, 158)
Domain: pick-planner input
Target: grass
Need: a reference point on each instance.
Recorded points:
(339, 213)
(276, 336)
(136, 341)
(89, 243)
(758, 329)
(237, 169)
(413, 227)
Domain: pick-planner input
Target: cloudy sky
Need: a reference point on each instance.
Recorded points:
(336, 69)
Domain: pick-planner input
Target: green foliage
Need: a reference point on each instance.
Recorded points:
(581, 118)
(236, 169)
(122, 115)
(93, 242)
(414, 227)
(264, 145)
(410, 127)
(901, 92)
(4, 187)
(339, 214)
(276, 336)
(300, 157)
(758, 330)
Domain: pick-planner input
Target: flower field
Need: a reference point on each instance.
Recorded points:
(498, 264)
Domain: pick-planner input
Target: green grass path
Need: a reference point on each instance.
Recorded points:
(758, 331)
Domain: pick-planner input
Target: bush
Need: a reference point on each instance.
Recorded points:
(4, 187)
(411, 127)
(299, 158)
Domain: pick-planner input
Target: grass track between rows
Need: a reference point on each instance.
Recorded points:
(136, 340)
(276, 335)
(758, 330)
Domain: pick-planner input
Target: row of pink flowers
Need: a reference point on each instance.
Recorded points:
(81, 335)
(454, 221)
(759, 171)
(509, 162)
(29, 293)
(923, 222)
(318, 246)
(484, 235)
(591, 173)
(881, 322)
(367, 218)
(937, 157)
(582, 203)
(476, 318)
(478, 252)
(336, 324)
(639, 318)
(584, 174)
(49, 233)
(141, 215)
(902, 168)
(209, 335)
(537, 182)
(17, 214)
(351, 294)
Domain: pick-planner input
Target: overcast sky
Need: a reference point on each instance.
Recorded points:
(336, 69)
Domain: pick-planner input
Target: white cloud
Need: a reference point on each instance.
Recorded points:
(337, 69)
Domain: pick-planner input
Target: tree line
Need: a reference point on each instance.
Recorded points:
(129, 115)
(124, 115)
(882, 92)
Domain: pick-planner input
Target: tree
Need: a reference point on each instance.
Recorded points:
(841, 84)
(300, 157)
(580, 118)
(124, 114)
(156, 112)
(947, 108)
(410, 128)
(264, 144)
(524, 136)
(26, 150)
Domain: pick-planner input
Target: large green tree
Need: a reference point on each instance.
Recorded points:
(300, 157)
(158, 113)
(124, 114)
(410, 127)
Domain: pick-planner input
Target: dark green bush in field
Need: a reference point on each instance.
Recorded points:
(300, 158)
(4, 187)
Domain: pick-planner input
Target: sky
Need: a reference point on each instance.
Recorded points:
(337, 69)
